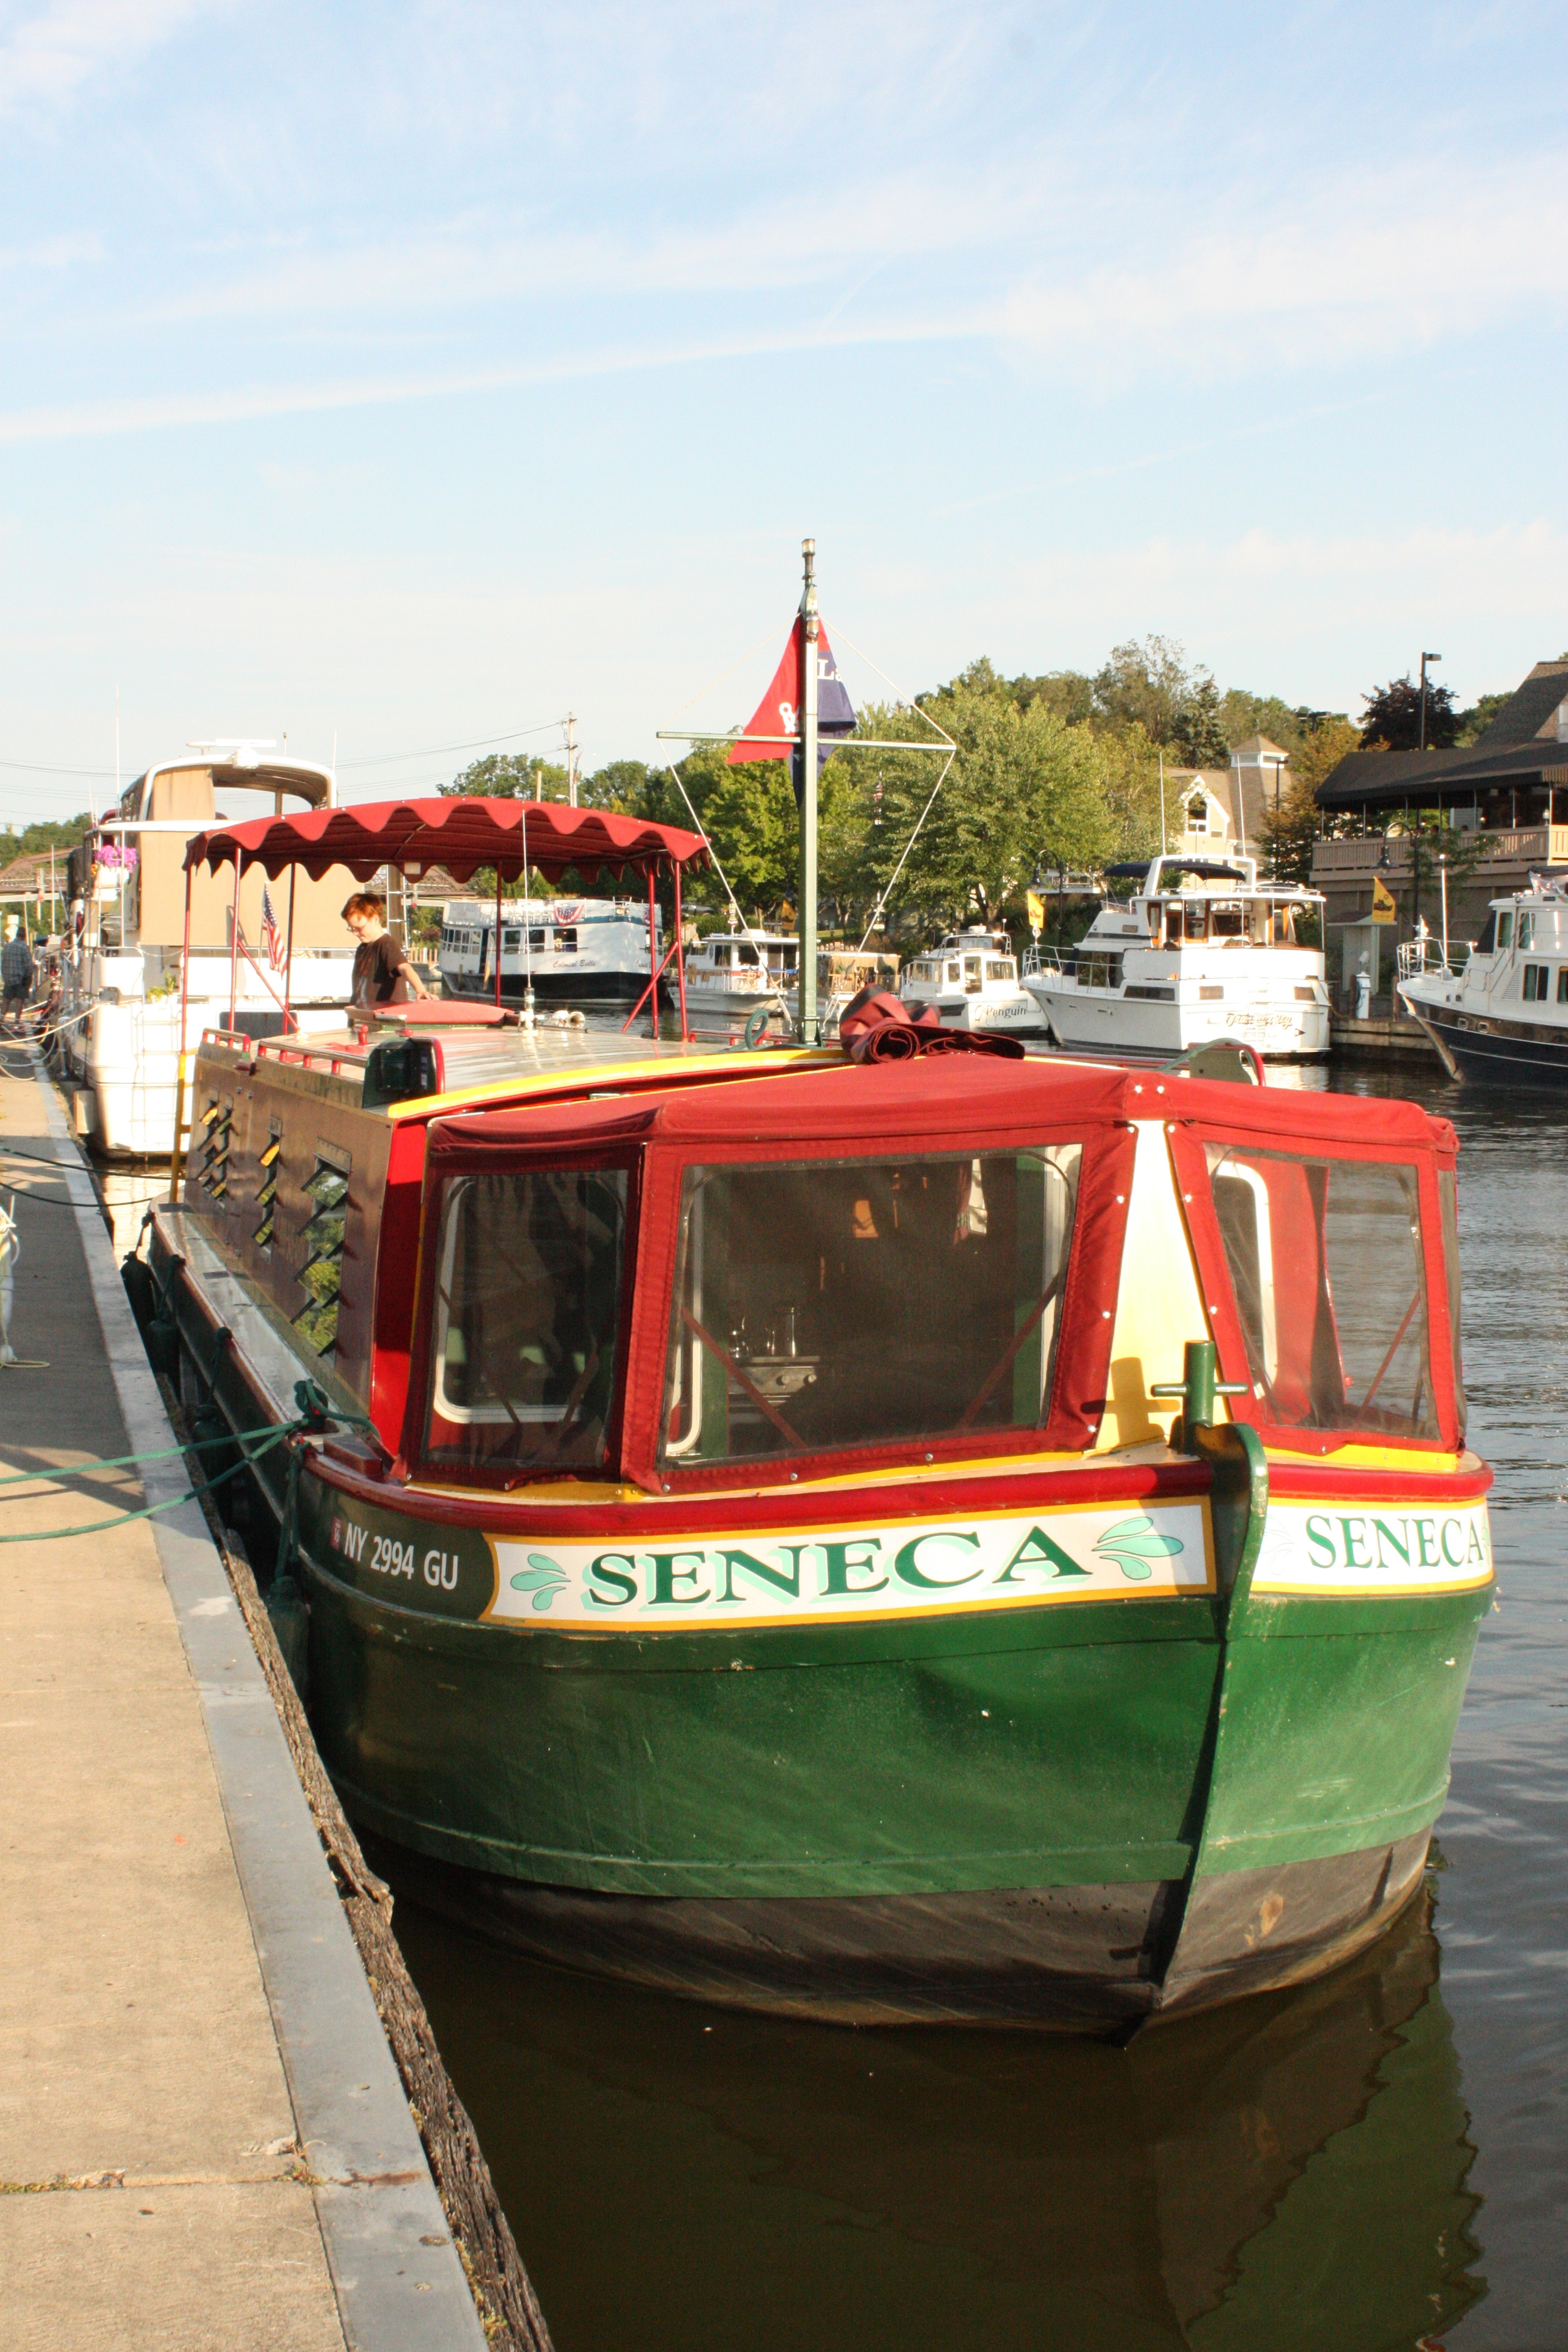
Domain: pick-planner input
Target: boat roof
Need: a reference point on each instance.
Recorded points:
(458, 833)
(861, 1104)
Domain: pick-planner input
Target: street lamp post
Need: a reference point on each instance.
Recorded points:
(1425, 659)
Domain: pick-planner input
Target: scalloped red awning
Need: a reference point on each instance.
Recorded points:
(458, 834)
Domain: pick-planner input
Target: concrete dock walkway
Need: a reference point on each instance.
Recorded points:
(203, 2139)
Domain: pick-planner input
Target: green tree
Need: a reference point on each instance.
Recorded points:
(508, 775)
(1393, 717)
(47, 833)
(1242, 714)
(1199, 732)
(1473, 723)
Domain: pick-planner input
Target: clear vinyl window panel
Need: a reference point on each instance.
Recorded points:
(828, 1304)
(1330, 1283)
(530, 1265)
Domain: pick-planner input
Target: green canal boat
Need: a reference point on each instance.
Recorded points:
(951, 1539)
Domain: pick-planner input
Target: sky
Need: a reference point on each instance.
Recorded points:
(402, 377)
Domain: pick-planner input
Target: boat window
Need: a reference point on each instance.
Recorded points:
(1526, 928)
(1562, 983)
(1448, 1203)
(1505, 929)
(566, 940)
(1000, 968)
(747, 953)
(953, 973)
(1329, 1288)
(1488, 939)
(839, 1303)
(1535, 979)
(528, 1290)
(1229, 922)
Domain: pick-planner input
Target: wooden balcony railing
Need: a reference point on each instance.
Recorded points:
(1359, 856)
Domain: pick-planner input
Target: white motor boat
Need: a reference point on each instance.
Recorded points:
(1199, 949)
(577, 952)
(120, 1036)
(737, 973)
(971, 978)
(1504, 1015)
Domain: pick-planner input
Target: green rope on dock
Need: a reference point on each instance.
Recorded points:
(124, 1461)
(149, 1510)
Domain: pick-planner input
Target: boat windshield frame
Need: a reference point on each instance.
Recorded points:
(1191, 1146)
(442, 1191)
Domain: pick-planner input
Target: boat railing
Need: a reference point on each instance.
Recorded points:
(1042, 960)
(1419, 957)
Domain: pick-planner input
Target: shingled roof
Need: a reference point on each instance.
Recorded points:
(1521, 744)
(1530, 714)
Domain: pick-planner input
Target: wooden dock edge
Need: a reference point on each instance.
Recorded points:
(421, 2255)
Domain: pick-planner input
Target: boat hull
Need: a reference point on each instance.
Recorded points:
(557, 987)
(1107, 1022)
(1023, 1817)
(1491, 1049)
(1090, 1958)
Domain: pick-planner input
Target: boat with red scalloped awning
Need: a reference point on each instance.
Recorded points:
(922, 1534)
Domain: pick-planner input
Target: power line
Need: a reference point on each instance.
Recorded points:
(436, 750)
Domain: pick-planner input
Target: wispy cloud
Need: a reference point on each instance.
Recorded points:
(45, 58)
(1375, 263)
(155, 412)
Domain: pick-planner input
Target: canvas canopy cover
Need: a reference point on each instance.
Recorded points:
(462, 834)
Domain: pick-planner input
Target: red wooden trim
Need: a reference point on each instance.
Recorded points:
(803, 1507)
(1305, 1482)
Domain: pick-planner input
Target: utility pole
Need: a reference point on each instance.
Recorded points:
(572, 758)
(1425, 659)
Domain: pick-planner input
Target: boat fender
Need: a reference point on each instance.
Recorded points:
(137, 1277)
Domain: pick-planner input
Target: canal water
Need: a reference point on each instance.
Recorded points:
(1376, 2161)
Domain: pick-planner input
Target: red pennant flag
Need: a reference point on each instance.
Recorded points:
(778, 713)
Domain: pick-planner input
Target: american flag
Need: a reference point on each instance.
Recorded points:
(272, 937)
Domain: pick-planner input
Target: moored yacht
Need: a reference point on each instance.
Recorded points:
(258, 963)
(971, 979)
(575, 951)
(1505, 1015)
(743, 972)
(1198, 949)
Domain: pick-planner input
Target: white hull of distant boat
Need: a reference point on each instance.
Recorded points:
(1504, 1018)
(125, 1049)
(733, 974)
(1177, 967)
(578, 951)
(972, 980)
(132, 914)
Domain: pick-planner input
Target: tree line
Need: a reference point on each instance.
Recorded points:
(1053, 775)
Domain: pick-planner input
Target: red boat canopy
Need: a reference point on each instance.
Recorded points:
(460, 833)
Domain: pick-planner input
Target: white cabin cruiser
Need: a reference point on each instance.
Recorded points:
(1505, 1015)
(1198, 950)
(119, 1007)
(971, 979)
(577, 952)
(743, 972)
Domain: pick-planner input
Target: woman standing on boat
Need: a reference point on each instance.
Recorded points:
(380, 962)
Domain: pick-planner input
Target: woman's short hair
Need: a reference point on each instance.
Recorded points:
(365, 902)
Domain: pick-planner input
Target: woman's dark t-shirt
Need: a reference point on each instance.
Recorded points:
(377, 963)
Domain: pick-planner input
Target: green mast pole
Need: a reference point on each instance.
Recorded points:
(806, 923)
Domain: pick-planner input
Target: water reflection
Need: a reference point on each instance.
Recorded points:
(1290, 2172)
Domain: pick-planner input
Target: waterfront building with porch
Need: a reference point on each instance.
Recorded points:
(1503, 799)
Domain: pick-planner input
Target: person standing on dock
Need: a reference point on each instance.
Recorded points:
(16, 976)
(380, 962)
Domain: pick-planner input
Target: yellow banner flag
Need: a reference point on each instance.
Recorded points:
(1383, 909)
(1036, 907)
